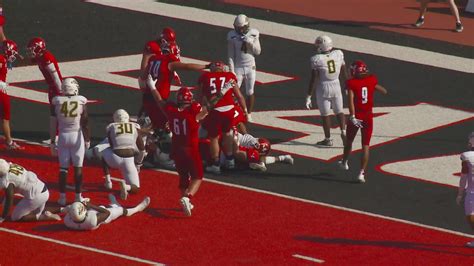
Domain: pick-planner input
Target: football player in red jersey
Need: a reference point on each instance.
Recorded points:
(48, 65)
(219, 88)
(158, 76)
(153, 47)
(10, 52)
(361, 89)
(2, 22)
(183, 117)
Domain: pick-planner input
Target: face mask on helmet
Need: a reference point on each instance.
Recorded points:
(184, 96)
(358, 68)
(36, 47)
(264, 146)
(121, 116)
(70, 87)
(167, 36)
(241, 24)
(171, 49)
(4, 167)
(217, 66)
(78, 212)
(10, 50)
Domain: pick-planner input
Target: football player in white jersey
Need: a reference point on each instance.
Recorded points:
(84, 216)
(243, 45)
(126, 149)
(73, 137)
(327, 65)
(16, 179)
(466, 185)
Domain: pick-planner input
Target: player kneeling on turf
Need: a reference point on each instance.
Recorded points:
(125, 144)
(16, 179)
(86, 216)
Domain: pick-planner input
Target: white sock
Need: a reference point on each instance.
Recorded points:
(343, 131)
(107, 178)
(281, 158)
(140, 207)
(270, 159)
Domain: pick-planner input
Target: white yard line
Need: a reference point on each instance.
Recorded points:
(308, 258)
(403, 53)
(96, 250)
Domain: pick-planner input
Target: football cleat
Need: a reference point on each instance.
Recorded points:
(459, 27)
(187, 206)
(361, 177)
(258, 166)
(213, 169)
(288, 159)
(51, 216)
(342, 165)
(14, 146)
(325, 143)
(419, 22)
(229, 164)
(249, 118)
(470, 244)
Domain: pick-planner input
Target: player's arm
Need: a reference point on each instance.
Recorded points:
(230, 54)
(8, 201)
(202, 114)
(240, 98)
(144, 63)
(53, 125)
(381, 89)
(102, 214)
(254, 42)
(109, 139)
(312, 80)
(350, 100)
(227, 86)
(52, 70)
(173, 66)
(85, 126)
(344, 75)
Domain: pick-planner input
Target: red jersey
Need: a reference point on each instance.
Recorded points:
(3, 68)
(158, 69)
(152, 47)
(363, 89)
(2, 20)
(183, 124)
(213, 82)
(48, 65)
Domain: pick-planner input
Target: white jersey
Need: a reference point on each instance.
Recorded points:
(123, 135)
(246, 140)
(242, 53)
(468, 157)
(26, 182)
(328, 65)
(90, 223)
(68, 111)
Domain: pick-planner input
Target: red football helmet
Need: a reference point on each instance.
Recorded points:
(184, 96)
(358, 68)
(36, 47)
(264, 146)
(168, 35)
(172, 48)
(10, 49)
(217, 66)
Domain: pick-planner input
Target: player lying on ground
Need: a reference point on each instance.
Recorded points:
(87, 216)
(16, 179)
(466, 185)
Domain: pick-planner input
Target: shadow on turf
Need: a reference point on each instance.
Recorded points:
(381, 243)
(56, 227)
(166, 213)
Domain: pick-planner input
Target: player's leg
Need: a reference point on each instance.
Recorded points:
(214, 130)
(339, 111)
(77, 159)
(250, 76)
(421, 16)
(130, 174)
(469, 212)
(32, 209)
(228, 139)
(324, 106)
(454, 10)
(284, 158)
(108, 180)
(109, 159)
(351, 133)
(64, 157)
(366, 132)
(5, 117)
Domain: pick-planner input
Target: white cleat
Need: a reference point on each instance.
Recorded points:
(258, 166)
(288, 159)
(108, 184)
(123, 190)
(229, 164)
(187, 206)
(361, 177)
(51, 216)
(342, 165)
(249, 118)
(213, 169)
(144, 204)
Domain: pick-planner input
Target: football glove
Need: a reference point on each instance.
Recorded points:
(356, 122)
(309, 105)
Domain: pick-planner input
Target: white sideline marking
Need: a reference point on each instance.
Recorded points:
(295, 33)
(305, 200)
(307, 258)
(80, 247)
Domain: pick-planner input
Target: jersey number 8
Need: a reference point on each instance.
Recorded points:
(331, 66)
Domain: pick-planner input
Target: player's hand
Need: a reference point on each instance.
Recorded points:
(3, 87)
(309, 105)
(356, 122)
(54, 149)
(87, 144)
(227, 86)
(459, 198)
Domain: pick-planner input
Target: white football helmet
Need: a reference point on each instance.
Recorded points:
(4, 167)
(241, 24)
(70, 87)
(121, 116)
(323, 44)
(471, 140)
(78, 212)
